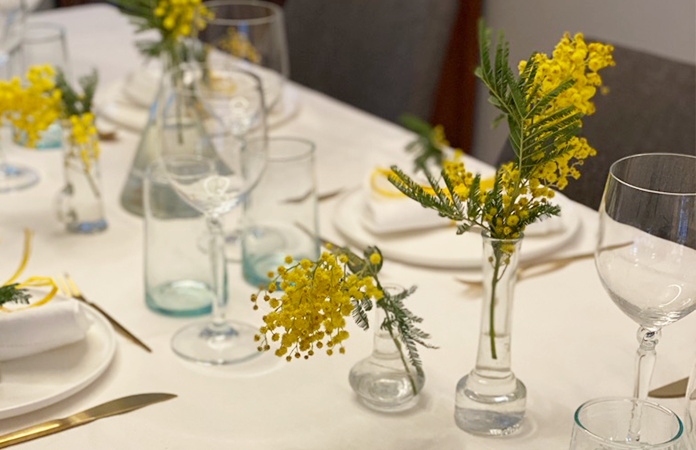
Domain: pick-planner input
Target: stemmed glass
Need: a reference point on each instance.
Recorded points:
(207, 161)
(646, 250)
(250, 34)
(12, 17)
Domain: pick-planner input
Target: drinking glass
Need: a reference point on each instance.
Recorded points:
(604, 423)
(646, 250)
(250, 34)
(12, 16)
(45, 44)
(177, 273)
(207, 163)
(280, 215)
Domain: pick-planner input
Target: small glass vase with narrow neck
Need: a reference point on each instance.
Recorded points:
(386, 381)
(177, 66)
(490, 400)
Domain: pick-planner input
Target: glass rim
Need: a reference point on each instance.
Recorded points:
(304, 154)
(274, 12)
(594, 401)
(57, 33)
(615, 165)
(486, 235)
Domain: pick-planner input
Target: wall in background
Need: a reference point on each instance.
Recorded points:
(662, 27)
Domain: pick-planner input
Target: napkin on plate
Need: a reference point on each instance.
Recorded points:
(386, 210)
(35, 330)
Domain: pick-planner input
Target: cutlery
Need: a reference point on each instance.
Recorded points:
(114, 407)
(320, 197)
(529, 269)
(672, 390)
(68, 287)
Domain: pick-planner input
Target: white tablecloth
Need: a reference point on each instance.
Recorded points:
(570, 342)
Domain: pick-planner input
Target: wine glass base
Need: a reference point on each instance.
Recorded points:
(206, 343)
(16, 178)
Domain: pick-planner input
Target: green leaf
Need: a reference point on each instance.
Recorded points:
(415, 124)
(13, 294)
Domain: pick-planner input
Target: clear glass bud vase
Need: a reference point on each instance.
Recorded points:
(382, 380)
(490, 400)
(147, 151)
(79, 204)
(175, 65)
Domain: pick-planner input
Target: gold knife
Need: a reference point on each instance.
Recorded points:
(114, 407)
(672, 390)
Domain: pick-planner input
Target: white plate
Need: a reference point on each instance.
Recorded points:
(442, 247)
(37, 381)
(113, 104)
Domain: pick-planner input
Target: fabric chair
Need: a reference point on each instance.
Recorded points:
(650, 108)
(382, 56)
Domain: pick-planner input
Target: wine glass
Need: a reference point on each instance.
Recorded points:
(646, 250)
(12, 17)
(250, 34)
(208, 162)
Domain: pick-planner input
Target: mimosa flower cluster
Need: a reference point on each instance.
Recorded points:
(174, 20)
(83, 139)
(543, 107)
(309, 302)
(33, 105)
(316, 298)
(181, 17)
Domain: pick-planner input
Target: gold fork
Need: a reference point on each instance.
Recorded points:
(68, 287)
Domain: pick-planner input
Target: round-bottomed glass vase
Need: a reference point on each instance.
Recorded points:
(382, 380)
(490, 400)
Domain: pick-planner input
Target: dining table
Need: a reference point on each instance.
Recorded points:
(570, 342)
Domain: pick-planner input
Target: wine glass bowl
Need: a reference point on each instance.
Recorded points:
(646, 251)
(250, 34)
(650, 206)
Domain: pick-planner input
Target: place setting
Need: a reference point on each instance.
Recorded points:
(285, 302)
(54, 341)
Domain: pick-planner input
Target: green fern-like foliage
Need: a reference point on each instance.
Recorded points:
(74, 103)
(426, 149)
(13, 294)
(517, 100)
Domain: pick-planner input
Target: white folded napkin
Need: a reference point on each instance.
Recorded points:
(35, 330)
(386, 212)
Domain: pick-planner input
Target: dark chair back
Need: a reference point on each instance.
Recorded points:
(382, 56)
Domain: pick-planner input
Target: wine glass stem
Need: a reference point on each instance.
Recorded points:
(645, 365)
(218, 265)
